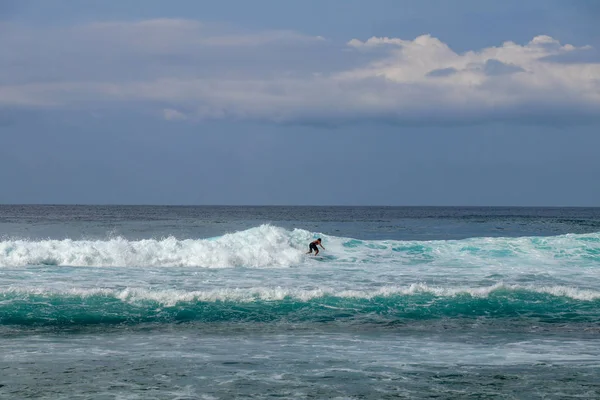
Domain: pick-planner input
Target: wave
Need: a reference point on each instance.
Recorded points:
(264, 246)
(269, 246)
(552, 304)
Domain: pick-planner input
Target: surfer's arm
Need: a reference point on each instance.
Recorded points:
(321, 246)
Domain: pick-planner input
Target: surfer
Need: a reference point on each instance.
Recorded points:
(313, 246)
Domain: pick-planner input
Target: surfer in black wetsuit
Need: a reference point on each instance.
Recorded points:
(313, 246)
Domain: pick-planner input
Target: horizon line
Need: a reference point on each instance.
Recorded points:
(288, 205)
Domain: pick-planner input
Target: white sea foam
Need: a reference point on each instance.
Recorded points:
(269, 246)
(264, 246)
(170, 297)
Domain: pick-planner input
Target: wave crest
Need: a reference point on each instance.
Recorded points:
(38, 306)
(269, 246)
(264, 246)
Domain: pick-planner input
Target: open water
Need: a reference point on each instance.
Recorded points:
(149, 302)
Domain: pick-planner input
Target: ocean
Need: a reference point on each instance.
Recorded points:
(165, 302)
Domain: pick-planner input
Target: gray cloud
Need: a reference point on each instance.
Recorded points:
(494, 67)
(442, 72)
(581, 56)
(185, 69)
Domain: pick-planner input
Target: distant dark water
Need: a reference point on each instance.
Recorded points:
(399, 223)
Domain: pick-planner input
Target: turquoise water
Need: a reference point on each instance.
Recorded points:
(223, 302)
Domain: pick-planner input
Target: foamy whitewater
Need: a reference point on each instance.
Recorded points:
(191, 302)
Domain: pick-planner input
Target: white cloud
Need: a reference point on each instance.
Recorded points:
(173, 115)
(215, 72)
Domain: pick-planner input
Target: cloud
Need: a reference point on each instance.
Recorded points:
(176, 35)
(442, 72)
(584, 55)
(494, 67)
(173, 115)
(215, 72)
(491, 67)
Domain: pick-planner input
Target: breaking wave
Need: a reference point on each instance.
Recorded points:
(39, 306)
(269, 246)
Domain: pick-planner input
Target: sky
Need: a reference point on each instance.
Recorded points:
(312, 102)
